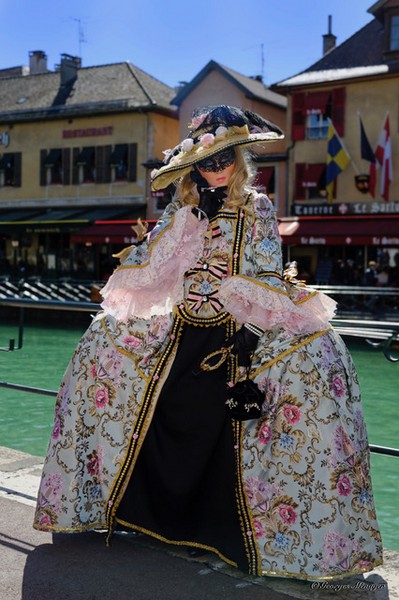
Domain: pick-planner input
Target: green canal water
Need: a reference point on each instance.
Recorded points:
(26, 418)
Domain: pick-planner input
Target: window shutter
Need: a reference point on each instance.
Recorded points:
(43, 170)
(265, 179)
(99, 162)
(338, 110)
(103, 168)
(314, 173)
(75, 166)
(132, 162)
(298, 116)
(17, 169)
(317, 102)
(107, 165)
(66, 166)
(300, 171)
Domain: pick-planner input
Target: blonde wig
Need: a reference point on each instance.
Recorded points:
(239, 186)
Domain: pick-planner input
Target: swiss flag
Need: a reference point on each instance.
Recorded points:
(383, 158)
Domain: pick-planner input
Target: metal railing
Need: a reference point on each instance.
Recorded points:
(365, 300)
(387, 332)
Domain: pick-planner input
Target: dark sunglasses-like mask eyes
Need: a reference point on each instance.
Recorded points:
(218, 162)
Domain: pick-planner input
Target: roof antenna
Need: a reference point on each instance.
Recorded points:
(81, 35)
(262, 58)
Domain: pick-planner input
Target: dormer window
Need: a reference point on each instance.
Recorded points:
(394, 33)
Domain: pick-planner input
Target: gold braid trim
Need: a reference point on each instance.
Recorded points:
(289, 351)
(78, 529)
(270, 274)
(238, 242)
(334, 577)
(141, 427)
(247, 529)
(185, 316)
(177, 543)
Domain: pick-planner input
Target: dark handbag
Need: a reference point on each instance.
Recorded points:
(245, 400)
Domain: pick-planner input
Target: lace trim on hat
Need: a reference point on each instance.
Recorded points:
(154, 287)
(297, 309)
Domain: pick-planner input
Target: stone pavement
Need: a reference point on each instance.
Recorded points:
(40, 566)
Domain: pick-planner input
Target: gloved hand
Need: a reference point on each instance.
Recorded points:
(210, 199)
(244, 343)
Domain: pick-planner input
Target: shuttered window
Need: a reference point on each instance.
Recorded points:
(10, 168)
(310, 181)
(55, 166)
(310, 111)
(265, 180)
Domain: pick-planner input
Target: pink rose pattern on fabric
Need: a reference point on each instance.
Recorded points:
(316, 460)
(304, 464)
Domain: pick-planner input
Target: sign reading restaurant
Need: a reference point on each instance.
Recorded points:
(350, 208)
(87, 132)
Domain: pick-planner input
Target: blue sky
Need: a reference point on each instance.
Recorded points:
(173, 40)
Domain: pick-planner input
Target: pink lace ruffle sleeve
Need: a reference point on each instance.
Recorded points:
(299, 310)
(155, 285)
(260, 295)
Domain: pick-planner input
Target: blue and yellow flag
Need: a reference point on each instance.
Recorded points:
(337, 159)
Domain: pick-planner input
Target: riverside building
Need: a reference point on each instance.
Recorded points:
(77, 145)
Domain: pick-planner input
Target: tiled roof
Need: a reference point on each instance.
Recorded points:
(359, 56)
(106, 88)
(252, 87)
(363, 49)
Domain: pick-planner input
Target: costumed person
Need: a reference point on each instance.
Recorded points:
(211, 404)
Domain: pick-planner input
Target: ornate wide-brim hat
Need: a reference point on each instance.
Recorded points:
(213, 129)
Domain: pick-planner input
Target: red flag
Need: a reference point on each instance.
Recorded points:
(372, 178)
(383, 157)
(386, 175)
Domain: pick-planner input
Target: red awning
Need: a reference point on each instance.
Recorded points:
(371, 230)
(103, 232)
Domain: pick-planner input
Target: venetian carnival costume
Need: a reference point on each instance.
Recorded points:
(143, 439)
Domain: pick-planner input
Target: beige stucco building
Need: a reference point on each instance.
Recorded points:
(356, 80)
(76, 147)
(217, 84)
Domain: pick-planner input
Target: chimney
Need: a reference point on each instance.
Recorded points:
(37, 62)
(329, 38)
(69, 68)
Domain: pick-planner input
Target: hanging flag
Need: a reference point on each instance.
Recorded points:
(383, 155)
(366, 152)
(337, 159)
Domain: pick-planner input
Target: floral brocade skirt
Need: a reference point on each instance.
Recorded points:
(142, 441)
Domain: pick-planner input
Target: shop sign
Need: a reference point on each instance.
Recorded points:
(385, 241)
(87, 132)
(313, 241)
(345, 208)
